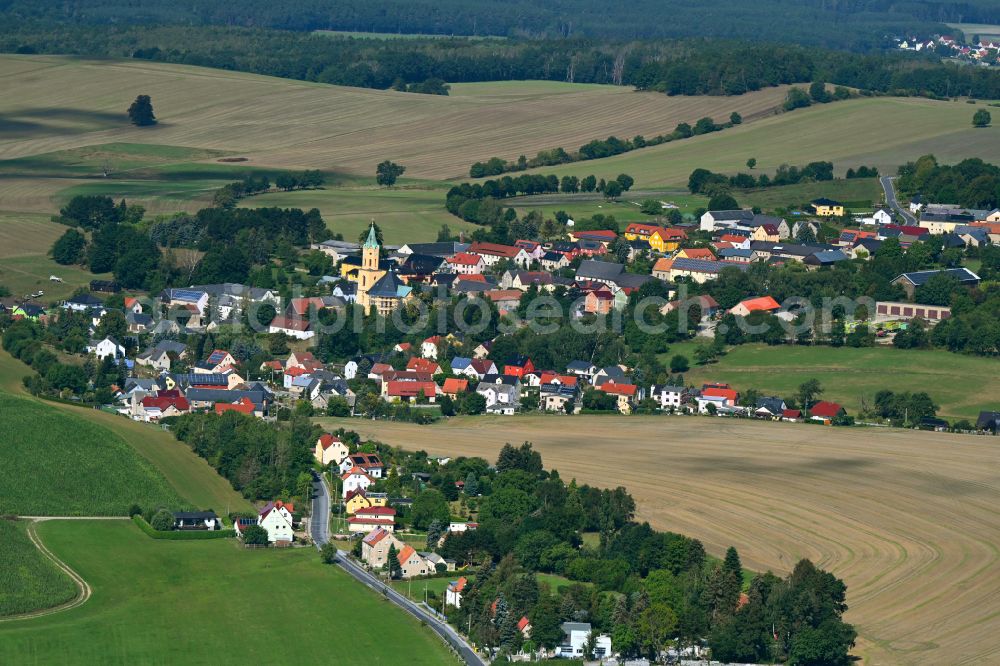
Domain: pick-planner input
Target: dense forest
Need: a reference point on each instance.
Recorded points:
(854, 24)
(692, 66)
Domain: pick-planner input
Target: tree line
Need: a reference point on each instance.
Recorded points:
(598, 148)
(972, 182)
(691, 66)
(860, 25)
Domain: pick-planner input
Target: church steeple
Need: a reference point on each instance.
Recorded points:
(370, 251)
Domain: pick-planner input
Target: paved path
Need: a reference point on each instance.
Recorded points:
(890, 200)
(319, 530)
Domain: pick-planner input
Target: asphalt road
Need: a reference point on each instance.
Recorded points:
(890, 199)
(319, 530)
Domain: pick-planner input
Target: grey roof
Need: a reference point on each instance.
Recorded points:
(770, 403)
(667, 388)
(735, 252)
(257, 397)
(233, 289)
(509, 380)
(612, 372)
(139, 318)
(471, 286)
(88, 300)
(632, 280)
(729, 215)
(579, 365)
(918, 278)
(599, 270)
(441, 249)
(557, 257)
(201, 379)
(567, 627)
(826, 257)
(979, 233)
(705, 266)
(557, 389)
(389, 286)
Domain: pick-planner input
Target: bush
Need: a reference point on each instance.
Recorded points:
(255, 535)
(163, 521)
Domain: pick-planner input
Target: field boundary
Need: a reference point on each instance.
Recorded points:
(83, 587)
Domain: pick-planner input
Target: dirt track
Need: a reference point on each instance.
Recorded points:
(910, 520)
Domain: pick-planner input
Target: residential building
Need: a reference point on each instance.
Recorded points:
(574, 644)
(759, 304)
(368, 518)
(910, 281)
(669, 397)
(626, 395)
(824, 207)
(413, 564)
(375, 547)
(330, 450)
(907, 311)
(453, 593)
(355, 479)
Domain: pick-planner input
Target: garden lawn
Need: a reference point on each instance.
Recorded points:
(210, 602)
(29, 581)
(960, 385)
(858, 194)
(56, 463)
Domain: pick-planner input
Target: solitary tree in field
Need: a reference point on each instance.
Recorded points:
(752, 162)
(387, 173)
(981, 118)
(141, 112)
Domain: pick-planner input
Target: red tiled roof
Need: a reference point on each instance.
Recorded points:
(376, 511)
(423, 365)
(597, 234)
(244, 406)
(702, 253)
(522, 623)
(406, 553)
(354, 470)
(717, 392)
(791, 414)
(375, 536)
(371, 521)
(290, 323)
(760, 303)
(380, 368)
(405, 389)
(163, 402)
(825, 409)
(454, 385)
(326, 440)
(458, 585)
(619, 389)
(494, 249)
(465, 259)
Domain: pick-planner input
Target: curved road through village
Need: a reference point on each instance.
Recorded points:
(319, 530)
(890, 200)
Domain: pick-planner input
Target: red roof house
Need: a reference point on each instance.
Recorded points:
(825, 410)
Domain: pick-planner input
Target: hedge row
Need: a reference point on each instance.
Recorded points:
(182, 535)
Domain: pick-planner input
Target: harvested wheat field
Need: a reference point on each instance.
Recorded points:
(910, 520)
(50, 103)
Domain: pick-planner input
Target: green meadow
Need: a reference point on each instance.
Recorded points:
(29, 581)
(210, 602)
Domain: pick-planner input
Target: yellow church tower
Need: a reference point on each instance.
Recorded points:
(369, 273)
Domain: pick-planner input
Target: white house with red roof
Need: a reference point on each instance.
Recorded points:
(494, 253)
(355, 479)
(465, 263)
(370, 464)
(453, 594)
(625, 394)
(293, 327)
(429, 347)
(371, 517)
(276, 518)
(330, 450)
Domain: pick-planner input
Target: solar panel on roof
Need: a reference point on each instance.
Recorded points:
(186, 295)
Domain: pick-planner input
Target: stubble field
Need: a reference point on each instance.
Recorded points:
(908, 519)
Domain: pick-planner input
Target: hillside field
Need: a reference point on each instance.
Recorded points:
(849, 375)
(141, 610)
(92, 463)
(29, 581)
(878, 131)
(908, 519)
(57, 103)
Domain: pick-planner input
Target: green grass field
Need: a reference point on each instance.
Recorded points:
(56, 463)
(408, 213)
(881, 131)
(28, 580)
(984, 30)
(851, 375)
(210, 602)
(161, 462)
(857, 193)
(626, 209)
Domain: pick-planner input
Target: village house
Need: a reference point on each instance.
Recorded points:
(355, 479)
(907, 311)
(577, 636)
(494, 253)
(453, 593)
(106, 347)
(669, 397)
(197, 520)
(369, 463)
(368, 518)
(824, 207)
(501, 398)
(465, 263)
(825, 411)
(910, 281)
(625, 394)
(359, 499)
(375, 547)
(276, 518)
(330, 450)
(413, 564)
(453, 387)
(555, 397)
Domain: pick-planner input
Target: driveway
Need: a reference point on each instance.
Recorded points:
(319, 530)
